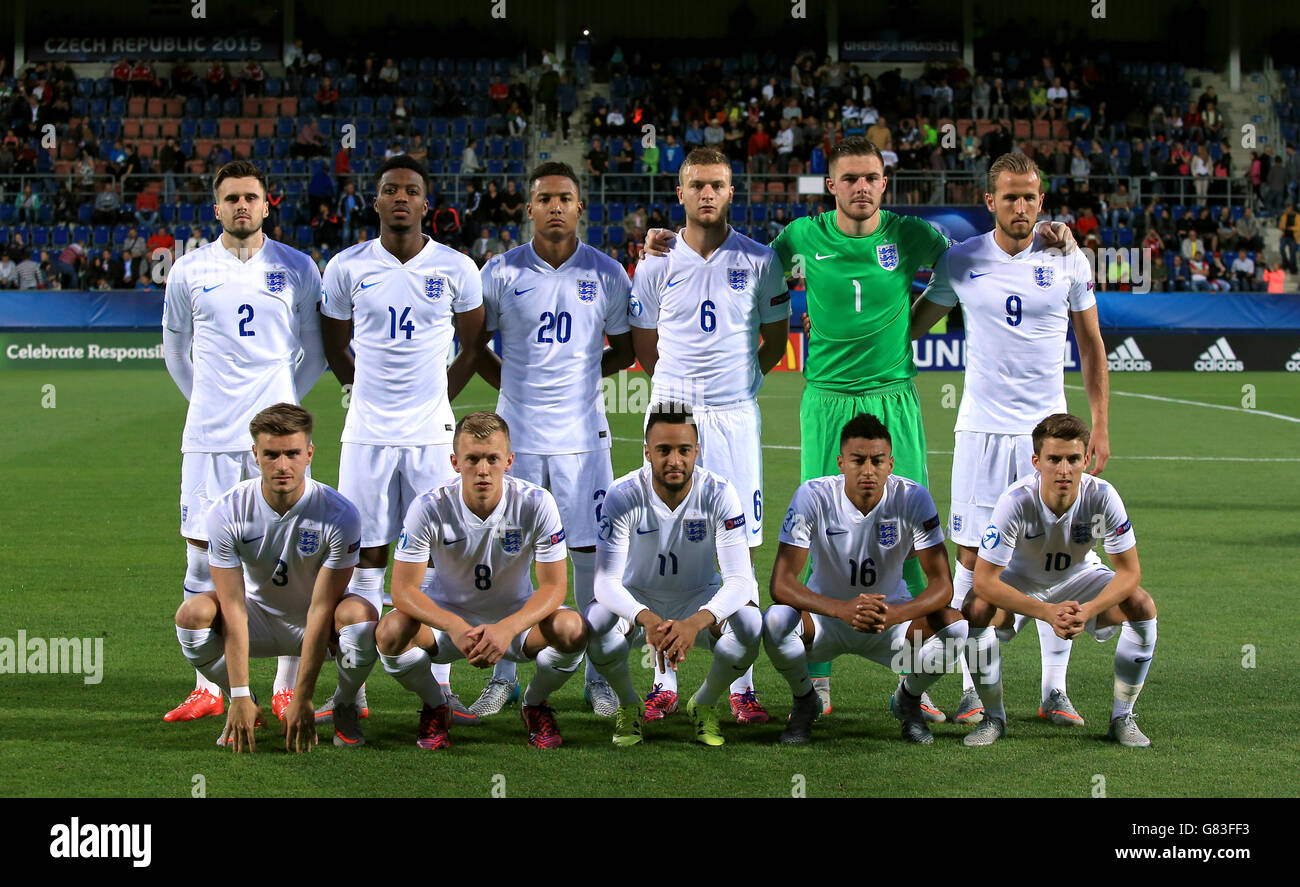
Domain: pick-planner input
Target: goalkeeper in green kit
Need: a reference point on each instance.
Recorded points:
(858, 264)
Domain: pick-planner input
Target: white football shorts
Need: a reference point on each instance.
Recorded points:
(206, 477)
(983, 466)
(382, 482)
(578, 482)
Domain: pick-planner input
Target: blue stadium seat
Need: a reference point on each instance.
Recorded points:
(304, 235)
(496, 147)
(617, 234)
(189, 127)
(595, 235)
(81, 233)
(1124, 236)
(103, 87)
(758, 213)
(478, 126)
(515, 168)
(80, 107)
(677, 214)
(40, 237)
(596, 212)
(99, 107)
(167, 213)
(185, 213)
(101, 237)
(261, 148)
(230, 107)
(274, 87)
(456, 147)
(737, 214)
(384, 104)
(208, 128)
(616, 211)
(379, 126)
(459, 128)
(365, 106)
(86, 87)
(439, 127)
(84, 212)
(60, 237)
(516, 148)
(117, 106)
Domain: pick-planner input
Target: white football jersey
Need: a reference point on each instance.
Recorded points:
(664, 555)
(403, 323)
(1017, 311)
(1036, 545)
(854, 553)
(249, 320)
(553, 324)
(481, 566)
(281, 554)
(708, 314)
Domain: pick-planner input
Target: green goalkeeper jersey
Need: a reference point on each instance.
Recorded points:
(859, 296)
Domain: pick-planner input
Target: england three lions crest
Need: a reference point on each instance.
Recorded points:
(694, 529)
(738, 278)
(1043, 275)
(308, 541)
(586, 290)
(512, 540)
(887, 256)
(276, 281)
(887, 533)
(434, 287)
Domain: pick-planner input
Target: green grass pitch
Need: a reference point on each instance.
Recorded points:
(89, 548)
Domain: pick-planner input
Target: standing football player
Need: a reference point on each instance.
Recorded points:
(1019, 299)
(1037, 560)
(398, 300)
(239, 334)
(556, 300)
(709, 320)
(482, 531)
(282, 548)
(663, 529)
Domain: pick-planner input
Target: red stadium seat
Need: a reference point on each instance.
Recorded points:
(227, 129)
(252, 107)
(289, 106)
(173, 107)
(149, 129)
(1042, 130)
(154, 108)
(135, 107)
(130, 128)
(169, 127)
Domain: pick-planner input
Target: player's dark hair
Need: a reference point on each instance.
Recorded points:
(670, 413)
(853, 146)
(281, 420)
(1061, 426)
(403, 161)
(867, 427)
(239, 169)
(554, 168)
(1016, 163)
(703, 156)
(481, 426)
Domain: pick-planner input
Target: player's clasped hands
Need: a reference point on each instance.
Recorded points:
(870, 613)
(299, 725)
(491, 641)
(1068, 621)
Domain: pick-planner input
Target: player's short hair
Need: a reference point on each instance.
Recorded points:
(1016, 163)
(670, 413)
(403, 161)
(1061, 426)
(281, 420)
(480, 426)
(854, 146)
(703, 156)
(867, 427)
(554, 168)
(239, 169)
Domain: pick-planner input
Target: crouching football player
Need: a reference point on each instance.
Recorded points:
(1036, 561)
(860, 528)
(282, 548)
(482, 531)
(662, 529)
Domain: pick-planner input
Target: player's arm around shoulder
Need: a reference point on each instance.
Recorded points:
(937, 300)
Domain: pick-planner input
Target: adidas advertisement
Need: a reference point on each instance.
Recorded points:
(1127, 358)
(1218, 358)
(1293, 365)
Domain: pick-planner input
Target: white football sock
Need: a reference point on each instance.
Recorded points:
(607, 649)
(368, 584)
(411, 670)
(584, 591)
(286, 674)
(198, 579)
(356, 657)
(553, 669)
(1137, 644)
(206, 651)
(984, 658)
(963, 580)
(1056, 658)
(784, 645)
(935, 657)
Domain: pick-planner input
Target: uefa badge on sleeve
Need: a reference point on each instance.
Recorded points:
(887, 533)
(433, 287)
(275, 281)
(1043, 275)
(887, 256)
(308, 541)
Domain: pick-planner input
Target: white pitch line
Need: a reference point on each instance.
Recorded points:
(1196, 403)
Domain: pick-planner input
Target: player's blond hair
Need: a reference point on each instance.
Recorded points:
(1061, 426)
(481, 426)
(703, 157)
(281, 420)
(1015, 163)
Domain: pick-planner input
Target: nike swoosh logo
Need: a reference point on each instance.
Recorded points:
(366, 286)
(973, 275)
(756, 529)
(1027, 536)
(208, 289)
(453, 541)
(836, 532)
(819, 256)
(673, 283)
(254, 539)
(641, 532)
(521, 292)
(1142, 659)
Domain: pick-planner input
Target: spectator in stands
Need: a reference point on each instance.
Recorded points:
(121, 75)
(626, 158)
(759, 150)
(313, 62)
(979, 98)
(30, 276)
(68, 265)
(320, 188)
(327, 99)
(134, 245)
(784, 143)
(1248, 233)
(472, 216)
(1243, 272)
(482, 245)
(1087, 223)
(27, 206)
(294, 56)
(171, 163)
(8, 273)
(197, 240)
(144, 282)
(498, 92)
(671, 156)
(349, 210)
(650, 157)
(597, 158)
(1292, 165)
(1179, 275)
(776, 223)
(1212, 122)
(507, 240)
(1200, 170)
(1159, 273)
(399, 121)
(146, 208)
(1275, 278)
(215, 81)
(142, 78)
(394, 149)
(1121, 207)
(1274, 188)
(107, 205)
(343, 164)
(388, 77)
(567, 97)
(324, 227)
(446, 223)
(615, 123)
(1198, 270)
(470, 164)
(1224, 235)
(108, 267)
(253, 78)
(63, 205)
(184, 82)
(309, 143)
(490, 203)
(162, 247)
(511, 209)
(1289, 222)
(218, 156)
(417, 149)
(636, 222)
(714, 134)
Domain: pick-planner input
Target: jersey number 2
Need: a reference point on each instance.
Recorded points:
(245, 321)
